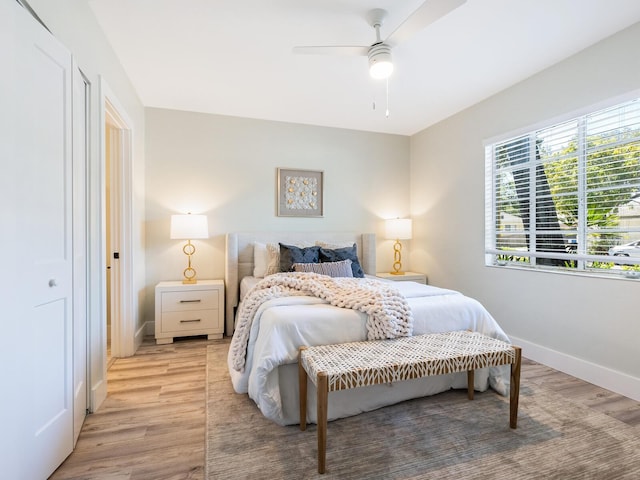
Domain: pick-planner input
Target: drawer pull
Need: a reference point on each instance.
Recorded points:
(190, 301)
(190, 321)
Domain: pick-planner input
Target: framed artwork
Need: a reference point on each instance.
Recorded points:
(300, 193)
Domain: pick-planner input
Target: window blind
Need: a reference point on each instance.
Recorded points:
(567, 196)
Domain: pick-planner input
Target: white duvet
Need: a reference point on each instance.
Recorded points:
(282, 325)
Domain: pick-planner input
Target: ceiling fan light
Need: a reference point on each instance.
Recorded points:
(380, 63)
(381, 69)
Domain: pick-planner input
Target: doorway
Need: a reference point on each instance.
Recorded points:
(120, 317)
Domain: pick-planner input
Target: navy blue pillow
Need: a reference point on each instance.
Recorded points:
(338, 254)
(290, 254)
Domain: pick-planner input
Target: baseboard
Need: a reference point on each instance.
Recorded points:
(98, 395)
(150, 328)
(139, 336)
(604, 377)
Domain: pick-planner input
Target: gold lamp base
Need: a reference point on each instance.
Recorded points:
(189, 273)
(397, 259)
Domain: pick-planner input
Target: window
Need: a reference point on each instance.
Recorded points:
(567, 197)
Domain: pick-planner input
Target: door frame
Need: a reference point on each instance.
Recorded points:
(123, 342)
(123, 319)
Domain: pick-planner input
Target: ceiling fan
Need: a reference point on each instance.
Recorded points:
(379, 53)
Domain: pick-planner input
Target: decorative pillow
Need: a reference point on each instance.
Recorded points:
(338, 254)
(273, 249)
(290, 254)
(266, 259)
(333, 269)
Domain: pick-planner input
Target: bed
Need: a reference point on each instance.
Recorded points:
(268, 373)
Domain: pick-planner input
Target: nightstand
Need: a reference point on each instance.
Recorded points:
(407, 277)
(184, 310)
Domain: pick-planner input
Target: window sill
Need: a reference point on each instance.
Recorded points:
(606, 276)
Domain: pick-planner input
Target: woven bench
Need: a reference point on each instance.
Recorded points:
(359, 364)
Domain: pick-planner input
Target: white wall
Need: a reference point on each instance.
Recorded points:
(225, 167)
(584, 325)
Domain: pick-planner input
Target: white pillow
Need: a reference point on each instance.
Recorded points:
(266, 259)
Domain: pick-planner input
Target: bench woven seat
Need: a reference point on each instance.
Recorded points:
(360, 364)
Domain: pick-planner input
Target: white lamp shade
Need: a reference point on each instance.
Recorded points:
(398, 228)
(188, 227)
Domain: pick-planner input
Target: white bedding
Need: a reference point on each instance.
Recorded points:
(246, 284)
(283, 324)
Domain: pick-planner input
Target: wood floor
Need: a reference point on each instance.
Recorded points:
(151, 426)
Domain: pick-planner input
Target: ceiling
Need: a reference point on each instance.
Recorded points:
(234, 57)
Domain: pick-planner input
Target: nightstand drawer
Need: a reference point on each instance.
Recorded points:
(189, 321)
(189, 300)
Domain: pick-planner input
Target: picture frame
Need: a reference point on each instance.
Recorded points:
(300, 192)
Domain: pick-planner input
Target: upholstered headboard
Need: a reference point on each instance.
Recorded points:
(239, 258)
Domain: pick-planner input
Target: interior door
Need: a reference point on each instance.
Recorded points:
(41, 375)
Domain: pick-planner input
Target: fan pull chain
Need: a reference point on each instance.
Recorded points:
(387, 111)
(373, 103)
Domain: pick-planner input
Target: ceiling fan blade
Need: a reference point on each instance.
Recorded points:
(333, 50)
(427, 13)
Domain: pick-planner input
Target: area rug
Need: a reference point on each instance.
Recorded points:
(445, 436)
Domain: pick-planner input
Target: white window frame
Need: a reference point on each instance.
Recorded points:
(623, 267)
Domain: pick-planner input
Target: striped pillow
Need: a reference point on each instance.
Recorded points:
(333, 269)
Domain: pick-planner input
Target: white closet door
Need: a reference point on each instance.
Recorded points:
(40, 208)
(81, 91)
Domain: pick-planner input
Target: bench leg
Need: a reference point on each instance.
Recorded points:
(515, 388)
(323, 394)
(470, 383)
(302, 382)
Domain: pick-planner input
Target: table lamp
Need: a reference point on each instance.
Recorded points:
(398, 229)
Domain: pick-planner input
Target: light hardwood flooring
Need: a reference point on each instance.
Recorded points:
(151, 426)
